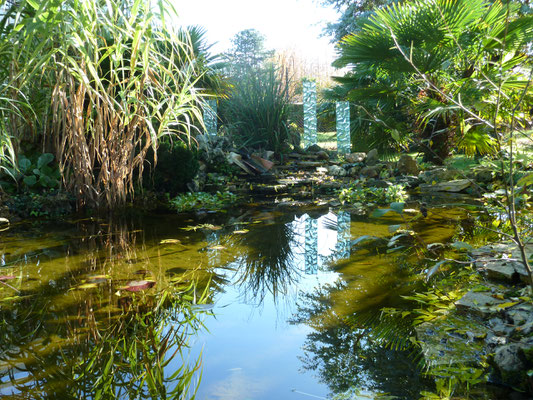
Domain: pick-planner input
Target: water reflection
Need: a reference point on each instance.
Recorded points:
(72, 331)
(74, 322)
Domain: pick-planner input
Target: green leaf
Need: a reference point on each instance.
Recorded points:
(397, 207)
(380, 212)
(24, 165)
(44, 159)
(434, 269)
(394, 228)
(462, 246)
(30, 180)
(525, 180)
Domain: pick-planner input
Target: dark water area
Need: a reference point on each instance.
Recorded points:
(291, 306)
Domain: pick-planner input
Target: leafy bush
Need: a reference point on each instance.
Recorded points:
(176, 166)
(358, 192)
(256, 114)
(192, 201)
(33, 173)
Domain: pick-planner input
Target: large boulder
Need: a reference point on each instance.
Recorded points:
(436, 175)
(372, 157)
(407, 165)
(354, 158)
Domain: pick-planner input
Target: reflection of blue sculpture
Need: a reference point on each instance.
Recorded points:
(343, 127)
(210, 117)
(213, 255)
(311, 246)
(343, 234)
(310, 121)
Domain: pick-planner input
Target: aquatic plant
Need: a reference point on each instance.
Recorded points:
(199, 200)
(358, 192)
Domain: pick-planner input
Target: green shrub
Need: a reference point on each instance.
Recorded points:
(358, 192)
(192, 201)
(176, 166)
(256, 113)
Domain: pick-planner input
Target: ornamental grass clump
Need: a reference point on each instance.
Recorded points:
(118, 82)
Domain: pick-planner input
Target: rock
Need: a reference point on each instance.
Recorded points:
(509, 358)
(370, 172)
(354, 172)
(322, 155)
(505, 270)
(407, 165)
(451, 186)
(322, 170)
(269, 155)
(353, 158)
(314, 148)
(500, 327)
(442, 342)
(335, 170)
(477, 303)
(372, 157)
(437, 175)
(484, 175)
(410, 182)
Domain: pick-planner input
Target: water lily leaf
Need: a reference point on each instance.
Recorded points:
(170, 241)
(380, 212)
(394, 228)
(397, 207)
(137, 286)
(462, 246)
(241, 231)
(6, 277)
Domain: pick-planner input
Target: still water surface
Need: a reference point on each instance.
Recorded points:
(291, 304)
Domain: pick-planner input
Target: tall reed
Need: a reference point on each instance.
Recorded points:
(119, 81)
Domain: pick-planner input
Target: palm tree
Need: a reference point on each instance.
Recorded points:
(439, 62)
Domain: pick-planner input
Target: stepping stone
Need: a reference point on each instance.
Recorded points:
(479, 304)
(451, 186)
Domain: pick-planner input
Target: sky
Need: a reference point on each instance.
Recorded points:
(286, 24)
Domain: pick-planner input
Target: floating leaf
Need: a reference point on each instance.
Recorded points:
(137, 286)
(85, 286)
(218, 247)
(170, 241)
(241, 231)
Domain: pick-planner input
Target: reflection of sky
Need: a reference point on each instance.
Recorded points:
(251, 352)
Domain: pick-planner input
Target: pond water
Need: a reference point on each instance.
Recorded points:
(291, 307)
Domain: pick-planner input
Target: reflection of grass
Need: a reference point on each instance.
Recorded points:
(327, 140)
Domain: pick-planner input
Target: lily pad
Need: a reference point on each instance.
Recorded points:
(241, 231)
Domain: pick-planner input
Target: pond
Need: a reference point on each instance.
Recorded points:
(288, 307)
